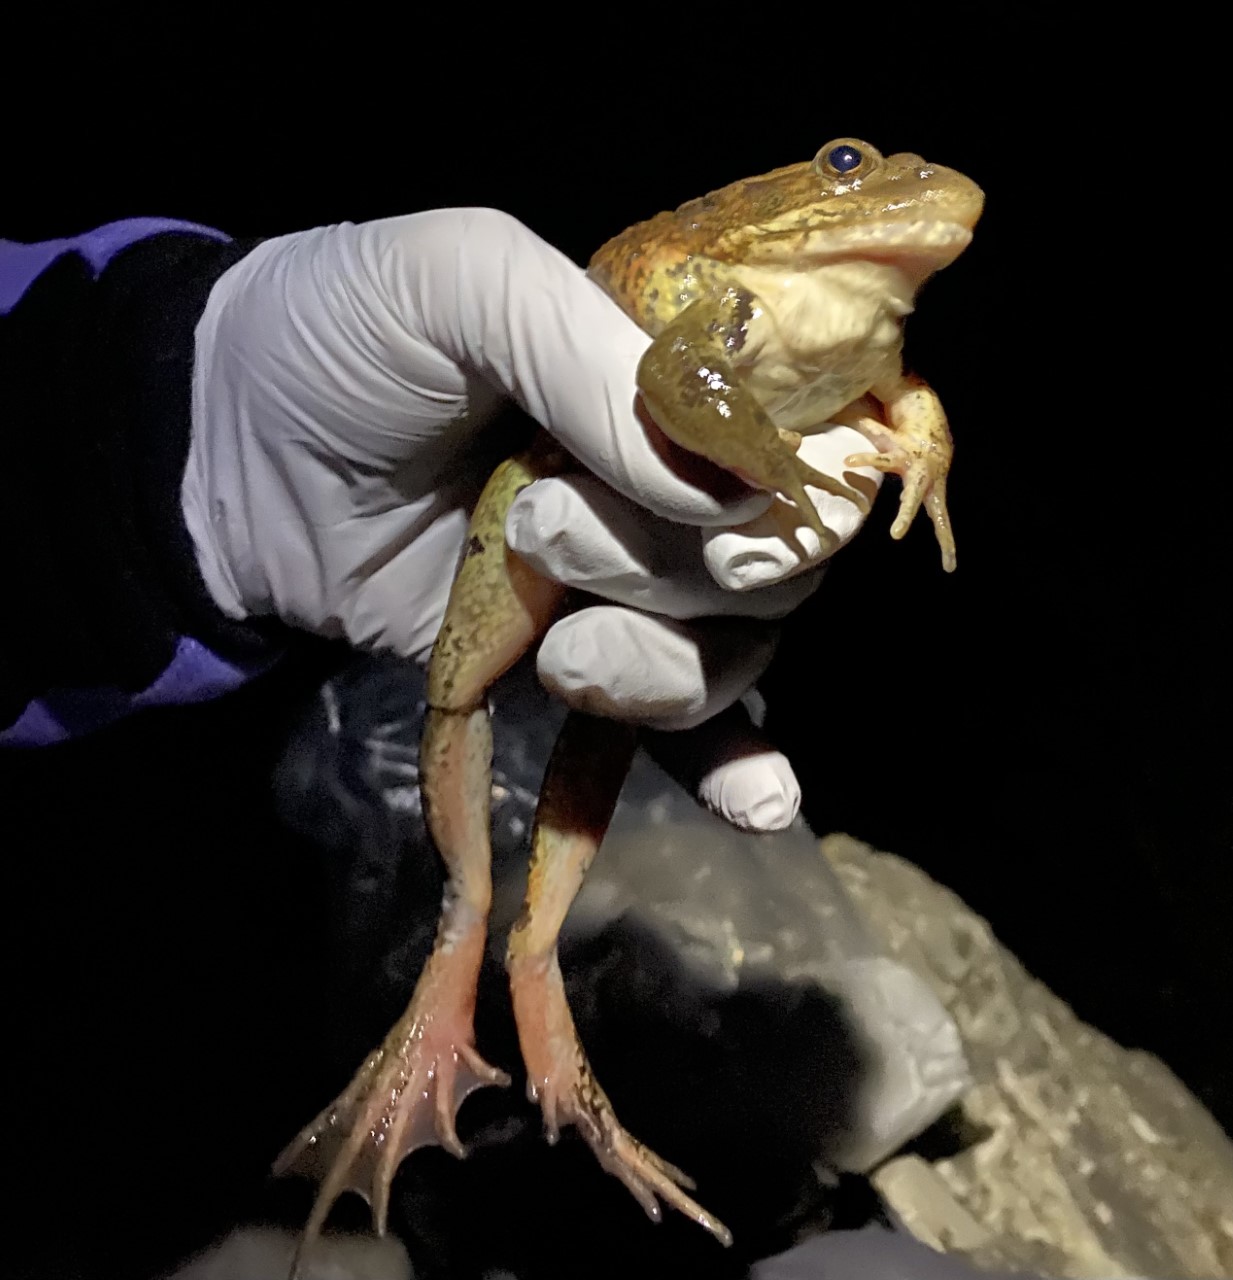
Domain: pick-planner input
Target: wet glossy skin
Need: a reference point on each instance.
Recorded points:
(776, 307)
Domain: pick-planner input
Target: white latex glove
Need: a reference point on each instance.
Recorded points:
(342, 379)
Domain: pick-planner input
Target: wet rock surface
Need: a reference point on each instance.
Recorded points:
(1070, 1156)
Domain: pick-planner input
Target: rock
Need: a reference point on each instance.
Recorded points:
(265, 1253)
(1081, 1158)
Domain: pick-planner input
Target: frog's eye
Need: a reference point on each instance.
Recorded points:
(845, 158)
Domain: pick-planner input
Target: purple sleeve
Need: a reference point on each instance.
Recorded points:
(191, 669)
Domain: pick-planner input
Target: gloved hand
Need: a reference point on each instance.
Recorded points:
(343, 379)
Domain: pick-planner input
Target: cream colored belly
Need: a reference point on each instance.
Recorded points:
(821, 339)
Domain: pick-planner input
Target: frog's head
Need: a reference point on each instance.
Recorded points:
(849, 202)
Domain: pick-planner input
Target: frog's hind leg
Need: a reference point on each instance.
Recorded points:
(408, 1091)
(579, 794)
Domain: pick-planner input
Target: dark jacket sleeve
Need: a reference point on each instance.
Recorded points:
(104, 609)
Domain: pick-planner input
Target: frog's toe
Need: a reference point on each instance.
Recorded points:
(935, 505)
(924, 484)
(650, 1178)
(891, 462)
(915, 485)
(923, 487)
(828, 484)
(405, 1096)
(573, 1096)
(560, 1079)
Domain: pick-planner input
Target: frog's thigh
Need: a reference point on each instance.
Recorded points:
(498, 605)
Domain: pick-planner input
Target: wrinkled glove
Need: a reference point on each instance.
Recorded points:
(344, 377)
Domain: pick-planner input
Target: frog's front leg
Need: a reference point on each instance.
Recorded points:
(915, 443)
(688, 382)
(408, 1091)
(579, 793)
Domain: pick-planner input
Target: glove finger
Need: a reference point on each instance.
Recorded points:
(733, 769)
(631, 666)
(777, 545)
(581, 533)
(494, 297)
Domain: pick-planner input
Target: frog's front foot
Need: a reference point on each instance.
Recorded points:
(916, 446)
(405, 1096)
(560, 1079)
(924, 481)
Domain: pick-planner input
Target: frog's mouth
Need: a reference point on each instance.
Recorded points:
(917, 246)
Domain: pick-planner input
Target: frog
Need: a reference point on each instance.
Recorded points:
(775, 309)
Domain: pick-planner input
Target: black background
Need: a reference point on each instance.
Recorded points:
(1046, 731)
